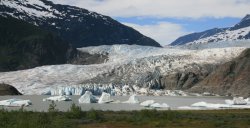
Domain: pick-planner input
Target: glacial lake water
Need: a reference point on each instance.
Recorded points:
(173, 101)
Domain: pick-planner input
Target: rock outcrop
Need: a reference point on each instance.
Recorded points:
(231, 78)
(6, 89)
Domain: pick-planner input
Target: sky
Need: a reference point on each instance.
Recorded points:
(166, 20)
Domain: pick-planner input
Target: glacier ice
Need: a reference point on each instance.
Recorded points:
(237, 101)
(133, 99)
(87, 98)
(105, 98)
(57, 98)
(15, 103)
(147, 103)
(130, 69)
(229, 105)
(158, 105)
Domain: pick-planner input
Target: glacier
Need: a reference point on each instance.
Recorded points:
(129, 69)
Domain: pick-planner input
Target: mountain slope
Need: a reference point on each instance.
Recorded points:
(23, 46)
(194, 36)
(75, 25)
(231, 78)
(238, 32)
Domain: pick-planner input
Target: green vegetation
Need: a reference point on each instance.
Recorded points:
(75, 118)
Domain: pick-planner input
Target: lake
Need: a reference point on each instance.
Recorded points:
(173, 101)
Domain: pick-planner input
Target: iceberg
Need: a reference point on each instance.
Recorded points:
(237, 101)
(147, 103)
(58, 98)
(199, 104)
(247, 100)
(132, 100)
(210, 105)
(189, 108)
(87, 98)
(158, 105)
(105, 98)
(15, 103)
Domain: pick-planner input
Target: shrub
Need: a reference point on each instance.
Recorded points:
(52, 107)
(75, 111)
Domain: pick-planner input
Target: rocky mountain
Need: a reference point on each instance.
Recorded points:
(238, 32)
(75, 25)
(231, 78)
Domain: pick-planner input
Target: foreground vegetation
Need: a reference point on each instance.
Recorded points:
(75, 118)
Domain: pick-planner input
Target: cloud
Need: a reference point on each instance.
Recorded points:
(162, 32)
(165, 8)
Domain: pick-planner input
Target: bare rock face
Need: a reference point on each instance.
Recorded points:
(231, 78)
(183, 80)
(84, 58)
(6, 89)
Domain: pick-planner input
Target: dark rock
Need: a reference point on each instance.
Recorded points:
(183, 80)
(6, 89)
(84, 58)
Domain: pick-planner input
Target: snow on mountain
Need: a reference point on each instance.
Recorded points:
(78, 26)
(228, 35)
(33, 8)
(240, 31)
(129, 68)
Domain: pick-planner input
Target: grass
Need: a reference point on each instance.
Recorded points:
(75, 118)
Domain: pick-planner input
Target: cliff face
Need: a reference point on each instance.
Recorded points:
(183, 80)
(231, 78)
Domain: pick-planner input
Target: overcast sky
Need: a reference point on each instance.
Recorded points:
(166, 20)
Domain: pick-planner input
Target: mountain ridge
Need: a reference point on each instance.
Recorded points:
(75, 25)
(239, 31)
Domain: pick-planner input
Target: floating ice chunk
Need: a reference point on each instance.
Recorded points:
(15, 103)
(132, 100)
(21, 103)
(237, 101)
(87, 98)
(247, 100)
(58, 98)
(188, 108)
(158, 105)
(5, 102)
(147, 103)
(105, 98)
(199, 104)
(210, 105)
